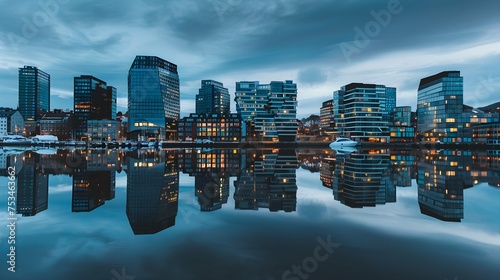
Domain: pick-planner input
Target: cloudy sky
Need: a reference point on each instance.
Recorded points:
(321, 45)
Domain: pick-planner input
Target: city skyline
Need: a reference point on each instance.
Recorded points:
(235, 42)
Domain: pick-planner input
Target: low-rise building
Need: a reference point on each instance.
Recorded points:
(58, 123)
(13, 122)
(103, 130)
(216, 127)
(402, 125)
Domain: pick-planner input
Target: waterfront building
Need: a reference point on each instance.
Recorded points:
(439, 107)
(327, 121)
(402, 125)
(103, 130)
(93, 100)
(12, 122)
(268, 111)
(359, 114)
(487, 133)
(58, 123)
(32, 186)
(153, 99)
(34, 93)
(216, 127)
(213, 98)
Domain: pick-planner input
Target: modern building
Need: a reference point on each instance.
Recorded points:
(439, 107)
(34, 93)
(487, 133)
(58, 123)
(153, 99)
(12, 122)
(472, 117)
(327, 121)
(213, 98)
(93, 100)
(359, 114)
(268, 111)
(387, 102)
(216, 127)
(103, 130)
(402, 125)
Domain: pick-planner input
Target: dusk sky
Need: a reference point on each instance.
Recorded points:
(321, 45)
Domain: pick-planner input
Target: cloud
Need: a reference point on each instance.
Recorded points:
(312, 76)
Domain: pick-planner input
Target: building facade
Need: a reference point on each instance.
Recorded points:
(487, 133)
(13, 121)
(402, 125)
(216, 127)
(213, 98)
(439, 107)
(93, 100)
(358, 113)
(153, 99)
(268, 111)
(34, 92)
(58, 123)
(103, 130)
(327, 121)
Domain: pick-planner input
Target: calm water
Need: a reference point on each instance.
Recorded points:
(253, 214)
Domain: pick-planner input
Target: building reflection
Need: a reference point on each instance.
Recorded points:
(486, 167)
(362, 179)
(402, 168)
(152, 190)
(32, 186)
(268, 180)
(94, 178)
(212, 169)
(442, 177)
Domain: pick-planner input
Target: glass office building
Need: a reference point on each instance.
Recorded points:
(34, 92)
(212, 98)
(269, 111)
(93, 100)
(153, 99)
(359, 114)
(440, 104)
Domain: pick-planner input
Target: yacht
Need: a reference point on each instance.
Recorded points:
(343, 142)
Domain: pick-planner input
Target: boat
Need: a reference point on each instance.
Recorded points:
(345, 150)
(343, 142)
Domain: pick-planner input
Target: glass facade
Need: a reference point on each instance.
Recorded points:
(93, 100)
(34, 92)
(153, 99)
(402, 125)
(213, 98)
(359, 114)
(269, 110)
(439, 107)
(326, 117)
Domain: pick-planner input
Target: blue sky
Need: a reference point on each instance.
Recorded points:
(321, 45)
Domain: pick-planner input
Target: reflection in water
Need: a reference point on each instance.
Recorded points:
(93, 179)
(267, 181)
(362, 179)
(264, 178)
(211, 169)
(32, 186)
(152, 190)
(442, 177)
